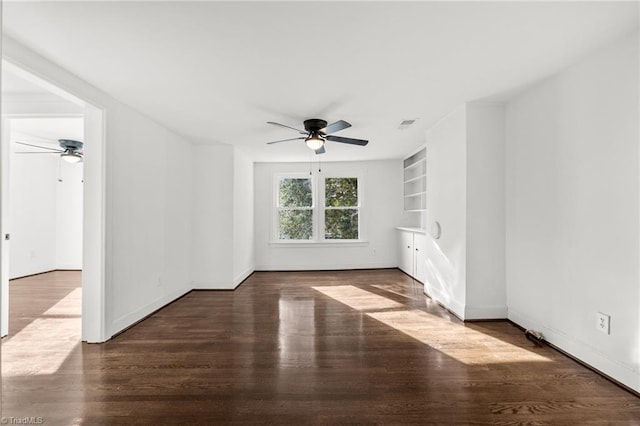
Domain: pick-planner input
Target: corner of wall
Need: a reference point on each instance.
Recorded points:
(131, 318)
(445, 300)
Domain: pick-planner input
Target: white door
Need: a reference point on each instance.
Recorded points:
(4, 228)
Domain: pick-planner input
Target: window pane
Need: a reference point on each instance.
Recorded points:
(341, 224)
(341, 192)
(296, 225)
(295, 193)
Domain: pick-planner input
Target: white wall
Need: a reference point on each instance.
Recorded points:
(572, 209)
(381, 212)
(243, 212)
(447, 204)
(213, 258)
(149, 181)
(222, 217)
(32, 212)
(486, 288)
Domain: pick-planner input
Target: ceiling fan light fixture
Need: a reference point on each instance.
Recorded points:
(314, 141)
(71, 157)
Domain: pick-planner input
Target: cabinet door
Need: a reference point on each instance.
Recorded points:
(420, 257)
(405, 251)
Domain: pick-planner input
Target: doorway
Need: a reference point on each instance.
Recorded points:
(62, 200)
(45, 260)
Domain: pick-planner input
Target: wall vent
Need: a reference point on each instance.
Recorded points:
(406, 123)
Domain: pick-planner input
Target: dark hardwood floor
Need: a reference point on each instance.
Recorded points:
(351, 347)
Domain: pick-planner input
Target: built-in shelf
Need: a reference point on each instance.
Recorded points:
(414, 179)
(418, 163)
(415, 182)
(417, 194)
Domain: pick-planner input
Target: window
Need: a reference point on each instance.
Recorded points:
(295, 209)
(341, 209)
(330, 213)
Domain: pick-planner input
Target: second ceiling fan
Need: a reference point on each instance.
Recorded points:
(316, 132)
(71, 151)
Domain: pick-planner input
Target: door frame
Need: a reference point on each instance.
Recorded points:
(94, 206)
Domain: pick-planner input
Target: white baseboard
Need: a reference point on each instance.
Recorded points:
(223, 285)
(69, 267)
(589, 354)
(465, 312)
(327, 267)
(485, 312)
(131, 318)
(213, 285)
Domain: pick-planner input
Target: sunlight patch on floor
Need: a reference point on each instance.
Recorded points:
(69, 305)
(357, 298)
(34, 350)
(457, 341)
(43, 345)
(400, 290)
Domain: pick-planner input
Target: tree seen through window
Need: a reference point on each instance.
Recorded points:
(295, 209)
(341, 209)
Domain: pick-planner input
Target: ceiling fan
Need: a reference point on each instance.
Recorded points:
(316, 132)
(71, 150)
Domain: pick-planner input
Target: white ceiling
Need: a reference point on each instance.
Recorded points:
(215, 72)
(16, 86)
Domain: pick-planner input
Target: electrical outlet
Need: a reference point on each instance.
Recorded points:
(604, 323)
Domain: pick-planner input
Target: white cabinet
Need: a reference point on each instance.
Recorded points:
(405, 251)
(412, 252)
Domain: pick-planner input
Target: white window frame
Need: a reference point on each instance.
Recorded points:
(318, 207)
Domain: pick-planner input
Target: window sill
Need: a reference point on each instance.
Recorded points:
(325, 243)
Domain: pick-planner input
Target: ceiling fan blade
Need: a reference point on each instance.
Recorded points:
(302, 132)
(321, 150)
(286, 140)
(33, 152)
(360, 142)
(38, 146)
(335, 127)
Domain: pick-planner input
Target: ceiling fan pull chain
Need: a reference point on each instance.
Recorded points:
(59, 169)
